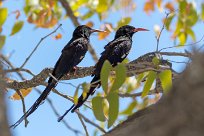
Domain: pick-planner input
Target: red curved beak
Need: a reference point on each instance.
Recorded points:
(140, 29)
(96, 30)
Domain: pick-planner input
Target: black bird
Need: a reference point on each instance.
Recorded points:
(72, 55)
(115, 52)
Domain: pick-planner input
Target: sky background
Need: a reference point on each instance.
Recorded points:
(43, 121)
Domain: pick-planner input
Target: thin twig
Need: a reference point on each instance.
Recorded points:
(24, 108)
(191, 44)
(159, 35)
(38, 46)
(83, 124)
(90, 122)
(20, 69)
(58, 115)
(133, 95)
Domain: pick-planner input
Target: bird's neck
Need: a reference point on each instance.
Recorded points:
(124, 36)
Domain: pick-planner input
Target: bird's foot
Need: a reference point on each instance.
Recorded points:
(75, 68)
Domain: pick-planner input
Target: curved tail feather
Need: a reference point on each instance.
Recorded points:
(95, 83)
(36, 104)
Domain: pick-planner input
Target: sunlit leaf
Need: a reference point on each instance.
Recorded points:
(97, 105)
(129, 110)
(148, 84)
(123, 21)
(168, 21)
(24, 93)
(17, 27)
(190, 32)
(182, 38)
(105, 71)
(166, 79)
(202, 11)
(87, 15)
(76, 94)
(3, 15)
(120, 77)
(2, 40)
(113, 101)
(102, 6)
(156, 61)
(89, 24)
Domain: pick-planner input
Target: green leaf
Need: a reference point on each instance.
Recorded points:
(113, 111)
(124, 21)
(102, 6)
(105, 71)
(148, 84)
(140, 77)
(17, 27)
(182, 38)
(130, 108)
(156, 61)
(191, 33)
(97, 105)
(2, 40)
(166, 79)
(168, 21)
(120, 77)
(202, 11)
(3, 15)
(76, 94)
(88, 15)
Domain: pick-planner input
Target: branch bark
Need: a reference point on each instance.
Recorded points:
(4, 127)
(137, 66)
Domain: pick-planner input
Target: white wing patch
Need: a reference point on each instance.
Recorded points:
(81, 57)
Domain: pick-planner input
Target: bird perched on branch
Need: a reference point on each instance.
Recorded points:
(72, 55)
(115, 52)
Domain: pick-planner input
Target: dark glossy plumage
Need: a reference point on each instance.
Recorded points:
(72, 55)
(115, 51)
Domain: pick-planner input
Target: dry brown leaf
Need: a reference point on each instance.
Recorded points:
(17, 12)
(58, 36)
(24, 93)
(149, 6)
(108, 28)
(169, 6)
(89, 24)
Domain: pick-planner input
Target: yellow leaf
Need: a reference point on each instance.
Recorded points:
(24, 93)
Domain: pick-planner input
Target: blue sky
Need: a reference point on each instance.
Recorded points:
(43, 121)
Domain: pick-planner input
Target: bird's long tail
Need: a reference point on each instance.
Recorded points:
(95, 83)
(36, 104)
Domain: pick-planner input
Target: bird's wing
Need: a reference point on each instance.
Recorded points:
(114, 52)
(70, 57)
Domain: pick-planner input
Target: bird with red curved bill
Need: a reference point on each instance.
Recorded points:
(115, 52)
(72, 54)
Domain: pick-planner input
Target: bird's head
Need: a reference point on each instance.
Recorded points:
(128, 30)
(84, 31)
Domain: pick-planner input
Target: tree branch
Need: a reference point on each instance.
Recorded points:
(137, 66)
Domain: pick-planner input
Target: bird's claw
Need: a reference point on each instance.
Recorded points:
(75, 70)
